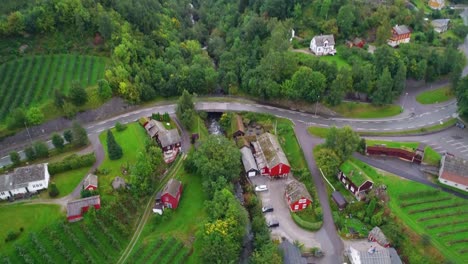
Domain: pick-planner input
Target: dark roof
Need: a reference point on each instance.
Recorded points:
(454, 169)
(296, 190)
(292, 254)
(248, 159)
(154, 127)
(379, 236)
(169, 137)
(75, 207)
(172, 187)
(118, 182)
(22, 176)
(339, 199)
(401, 29)
(271, 150)
(320, 40)
(91, 180)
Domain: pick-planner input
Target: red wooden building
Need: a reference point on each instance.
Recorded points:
(376, 235)
(415, 156)
(269, 156)
(76, 209)
(400, 34)
(91, 182)
(297, 196)
(170, 196)
(357, 184)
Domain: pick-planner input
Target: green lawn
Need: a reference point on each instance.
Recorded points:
(320, 132)
(340, 62)
(31, 217)
(431, 156)
(290, 145)
(198, 127)
(393, 144)
(365, 110)
(132, 140)
(67, 181)
(435, 96)
(445, 215)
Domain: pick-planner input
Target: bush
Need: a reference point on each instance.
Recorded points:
(41, 149)
(72, 162)
(11, 236)
(113, 148)
(88, 193)
(120, 127)
(15, 158)
(306, 225)
(53, 190)
(30, 153)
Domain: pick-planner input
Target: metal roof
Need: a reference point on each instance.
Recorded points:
(454, 169)
(320, 40)
(75, 207)
(22, 176)
(248, 159)
(91, 180)
(271, 150)
(172, 187)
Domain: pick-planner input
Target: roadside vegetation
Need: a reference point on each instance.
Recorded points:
(435, 96)
(366, 110)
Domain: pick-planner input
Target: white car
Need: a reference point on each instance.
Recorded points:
(261, 188)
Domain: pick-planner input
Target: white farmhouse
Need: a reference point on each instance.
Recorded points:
(29, 179)
(323, 45)
(454, 172)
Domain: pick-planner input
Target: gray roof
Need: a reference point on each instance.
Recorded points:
(118, 182)
(394, 257)
(169, 137)
(296, 190)
(154, 127)
(339, 198)
(320, 40)
(292, 254)
(401, 29)
(172, 187)
(454, 169)
(271, 149)
(374, 255)
(379, 236)
(440, 22)
(248, 159)
(91, 180)
(22, 176)
(75, 207)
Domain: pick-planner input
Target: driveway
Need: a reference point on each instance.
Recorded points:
(287, 227)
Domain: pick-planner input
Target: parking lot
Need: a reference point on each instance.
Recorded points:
(287, 227)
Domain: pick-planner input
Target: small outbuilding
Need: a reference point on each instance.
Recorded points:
(376, 235)
(237, 125)
(440, 25)
(91, 182)
(339, 199)
(248, 160)
(170, 196)
(297, 196)
(118, 183)
(76, 209)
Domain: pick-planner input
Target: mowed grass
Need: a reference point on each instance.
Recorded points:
(393, 144)
(364, 110)
(427, 210)
(132, 140)
(320, 132)
(67, 181)
(31, 217)
(439, 95)
(431, 156)
(288, 141)
(31, 80)
(340, 62)
(182, 223)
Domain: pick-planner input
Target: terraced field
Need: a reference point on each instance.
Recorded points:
(161, 251)
(32, 80)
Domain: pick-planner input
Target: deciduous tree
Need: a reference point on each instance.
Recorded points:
(58, 141)
(41, 149)
(80, 136)
(383, 92)
(35, 116)
(78, 95)
(15, 158)
(328, 162)
(68, 135)
(185, 110)
(343, 141)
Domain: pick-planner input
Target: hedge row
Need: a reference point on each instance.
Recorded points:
(305, 224)
(72, 162)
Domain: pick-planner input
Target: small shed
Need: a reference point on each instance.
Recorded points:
(118, 183)
(91, 182)
(237, 125)
(248, 160)
(376, 235)
(339, 199)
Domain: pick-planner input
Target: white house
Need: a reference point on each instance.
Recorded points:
(454, 172)
(323, 45)
(29, 179)
(440, 25)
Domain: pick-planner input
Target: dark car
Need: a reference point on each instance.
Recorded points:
(267, 209)
(460, 125)
(273, 223)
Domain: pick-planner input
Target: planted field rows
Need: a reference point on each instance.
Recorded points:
(443, 216)
(161, 251)
(32, 80)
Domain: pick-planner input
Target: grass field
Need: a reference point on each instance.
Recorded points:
(31, 80)
(435, 96)
(178, 226)
(442, 216)
(340, 62)
(431, 156)
(67, 181)
(31, 217)
(132, 140)
(393, 144)
(364, 110)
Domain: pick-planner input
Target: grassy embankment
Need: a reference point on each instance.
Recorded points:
(439, 95)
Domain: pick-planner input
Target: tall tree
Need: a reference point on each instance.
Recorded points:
(328, 162)
(399, 81)
(59, 98)
(30, 153)
(41, 149)
(113, 148)
(383, 92)
(462, 96)
(104, 89)
(35, 116)
(308, 84)
(68, 135)
(342, 84)
(78, 95)
(80, 136)
(58, 141)
(185, 110)
(344, 142)
(16, 119)
(345, 20)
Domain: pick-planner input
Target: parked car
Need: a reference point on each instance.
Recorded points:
(267, 209)
(460, 125)
(261, 188)
(273, 223)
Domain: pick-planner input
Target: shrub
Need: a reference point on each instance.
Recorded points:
(88, 193)
(35, 116)
(69, 110)
(120, 127)
(68, 135)
(318, 213)
(72, 162)
(57, 141)
(12, 236)
(53, 190)
(113, 148)
(306, 225)
(30, 153)
(15, 158)
(41, 149)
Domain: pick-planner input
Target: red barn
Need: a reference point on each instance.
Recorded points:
(170, 196)
(76, 209)
(270, 158)
(297, 196)
(91, 182)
